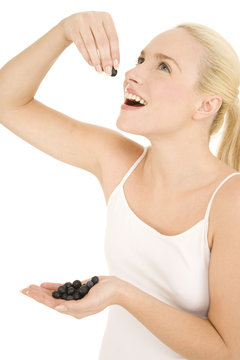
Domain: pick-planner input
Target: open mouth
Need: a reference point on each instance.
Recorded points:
(132, 103)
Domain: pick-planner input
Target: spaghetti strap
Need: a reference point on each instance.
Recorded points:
(133, 166)
(127, 174)
(218, 187)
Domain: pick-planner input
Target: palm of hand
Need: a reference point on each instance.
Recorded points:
(101, 295)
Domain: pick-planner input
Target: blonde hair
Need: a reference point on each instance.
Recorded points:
(219, 74)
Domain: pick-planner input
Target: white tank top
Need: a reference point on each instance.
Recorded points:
(173, 269)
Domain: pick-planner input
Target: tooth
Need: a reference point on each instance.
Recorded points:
(135, 98)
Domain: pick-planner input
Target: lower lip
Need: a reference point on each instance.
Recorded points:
(127, 107)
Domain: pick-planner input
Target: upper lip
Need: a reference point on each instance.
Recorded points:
(129, 90)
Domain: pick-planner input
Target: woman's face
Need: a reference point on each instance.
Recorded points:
(166, 86)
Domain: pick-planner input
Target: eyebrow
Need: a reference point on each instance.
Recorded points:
(162, 56)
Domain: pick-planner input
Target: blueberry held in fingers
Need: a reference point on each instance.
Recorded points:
(114, 72)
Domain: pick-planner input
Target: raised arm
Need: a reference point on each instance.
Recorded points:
(72, 141)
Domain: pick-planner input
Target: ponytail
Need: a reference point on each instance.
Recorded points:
(229, 147)
(219, 73)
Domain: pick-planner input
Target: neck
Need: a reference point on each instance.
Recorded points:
(175, 169)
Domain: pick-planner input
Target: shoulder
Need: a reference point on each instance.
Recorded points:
(226, 204)
(117, 163)
(229, 191)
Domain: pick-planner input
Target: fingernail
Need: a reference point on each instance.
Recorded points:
(25, 292)
(99, 69)
(115, 64)
(61, 308)
(108, 70)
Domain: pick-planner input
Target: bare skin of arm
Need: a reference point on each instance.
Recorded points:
(75, 142)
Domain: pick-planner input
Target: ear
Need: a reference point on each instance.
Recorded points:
(208, 106)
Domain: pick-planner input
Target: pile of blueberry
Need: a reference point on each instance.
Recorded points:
(75, 290)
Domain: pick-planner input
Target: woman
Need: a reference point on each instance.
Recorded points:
(172, 239)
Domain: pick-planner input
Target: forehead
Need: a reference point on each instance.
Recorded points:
(180, 45)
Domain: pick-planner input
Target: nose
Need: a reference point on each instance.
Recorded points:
(131, 77)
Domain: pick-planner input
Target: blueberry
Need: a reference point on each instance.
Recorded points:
(89, 284)
(75, 290)
(83, 289)
(62, 289)
(95, 279)
(76, 295)
(70, 290)
(67, 284)
(56, 294)
(77, 284)
(114, 72)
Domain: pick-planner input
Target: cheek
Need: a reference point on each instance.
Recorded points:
(170, 107)
(171, 98)
(171, 92)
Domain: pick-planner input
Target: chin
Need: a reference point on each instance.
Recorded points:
(127, 125)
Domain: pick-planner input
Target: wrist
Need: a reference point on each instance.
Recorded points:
(121, 291)
(61, 27)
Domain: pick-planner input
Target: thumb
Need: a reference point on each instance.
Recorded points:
(61, 308)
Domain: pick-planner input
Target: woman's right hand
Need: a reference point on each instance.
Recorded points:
(95, 36)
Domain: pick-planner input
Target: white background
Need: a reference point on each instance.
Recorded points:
(53, 215)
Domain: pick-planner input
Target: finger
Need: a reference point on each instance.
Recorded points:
(78, 41)
(42, 298)
(39, 288)
(89, 44)
(112, 35)
(102, 43)
(51, 286)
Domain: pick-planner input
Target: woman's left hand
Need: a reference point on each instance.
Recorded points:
(104, 293)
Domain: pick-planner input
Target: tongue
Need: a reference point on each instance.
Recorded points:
(138, 104)
(133, 103)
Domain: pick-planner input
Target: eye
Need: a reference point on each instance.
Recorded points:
(141, 58)
(165, 66)
(138, 59)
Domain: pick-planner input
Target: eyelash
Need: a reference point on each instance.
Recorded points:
(139, 58)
